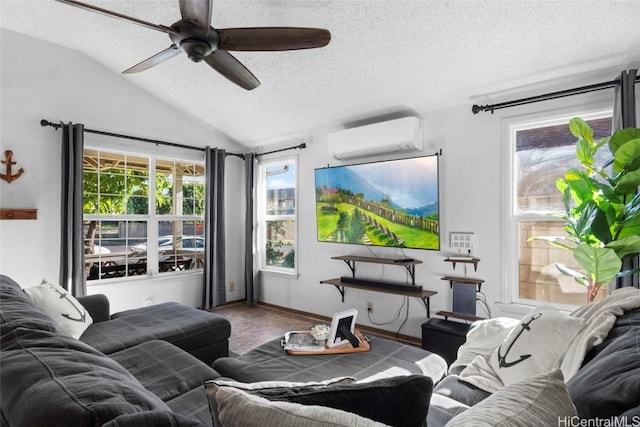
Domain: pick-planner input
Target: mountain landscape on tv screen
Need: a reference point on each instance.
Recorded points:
(396, 203)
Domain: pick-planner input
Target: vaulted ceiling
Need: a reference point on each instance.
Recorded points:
(384, 56)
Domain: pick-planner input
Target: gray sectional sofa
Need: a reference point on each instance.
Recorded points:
(148, 367)
(143, 367)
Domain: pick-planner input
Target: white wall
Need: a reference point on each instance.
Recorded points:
(471, 197)
(53, 83)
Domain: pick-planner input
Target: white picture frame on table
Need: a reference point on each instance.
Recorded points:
(343, 318)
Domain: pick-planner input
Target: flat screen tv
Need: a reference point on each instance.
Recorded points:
(390, 203)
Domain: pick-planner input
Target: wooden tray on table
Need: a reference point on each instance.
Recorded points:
(342, 348)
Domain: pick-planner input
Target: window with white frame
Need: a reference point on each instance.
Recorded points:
(277, 214)
(141, 215)
(541, 151)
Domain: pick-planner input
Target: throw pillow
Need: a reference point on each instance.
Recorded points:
(542, 400)
(536, 345)
(396, 401)
(211, 389)
(61, 306)
(241, 409)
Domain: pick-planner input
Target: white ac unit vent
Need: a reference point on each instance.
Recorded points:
(393, 136)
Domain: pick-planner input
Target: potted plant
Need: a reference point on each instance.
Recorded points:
(601, 207)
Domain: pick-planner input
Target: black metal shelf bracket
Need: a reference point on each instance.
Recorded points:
(341, 290)
(352, 267)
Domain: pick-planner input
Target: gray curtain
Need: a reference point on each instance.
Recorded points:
(71, 239)
(214, 292)
(250, 278)
(624, 116)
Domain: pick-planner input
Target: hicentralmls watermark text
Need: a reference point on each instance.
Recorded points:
(599, 422)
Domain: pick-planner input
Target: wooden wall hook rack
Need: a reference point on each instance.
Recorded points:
(10, 213)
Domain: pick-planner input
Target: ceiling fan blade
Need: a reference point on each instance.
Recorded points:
(156, 59)
(197, 12)
(272, 38)
(227, 65)
(93, 8)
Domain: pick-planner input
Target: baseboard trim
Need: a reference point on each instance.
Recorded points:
(405, 339)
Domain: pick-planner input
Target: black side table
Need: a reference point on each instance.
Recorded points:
(444, 337)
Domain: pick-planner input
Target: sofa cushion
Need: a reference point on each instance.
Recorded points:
(190, 329)
(61, 306)
(65, 382)
(152, 419)
(164, 369)
(240, 409)
(463, 392)
(400, 401)
(18, 310)
(211, 389)
(542, 400)
(536, 345)
(608, 385)
(192, 405)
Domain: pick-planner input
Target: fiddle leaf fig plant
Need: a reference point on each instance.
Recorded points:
(601, 207)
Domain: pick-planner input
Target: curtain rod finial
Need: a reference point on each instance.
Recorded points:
(44, 122)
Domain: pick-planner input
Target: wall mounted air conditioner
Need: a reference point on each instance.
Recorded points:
(393, 136)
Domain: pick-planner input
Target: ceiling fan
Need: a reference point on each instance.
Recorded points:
(194, 35)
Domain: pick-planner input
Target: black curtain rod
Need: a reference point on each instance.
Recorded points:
(57, 126)
(303, 145)
(553, 95)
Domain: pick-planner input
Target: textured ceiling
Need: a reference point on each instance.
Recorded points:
(384, 56)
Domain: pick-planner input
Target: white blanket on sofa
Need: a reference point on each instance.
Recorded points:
(487, 335)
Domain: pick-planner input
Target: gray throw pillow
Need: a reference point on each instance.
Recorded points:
(241, 409)
(542, 400)
(401, 401)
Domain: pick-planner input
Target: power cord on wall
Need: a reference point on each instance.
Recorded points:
(405, 303)
(482, 299)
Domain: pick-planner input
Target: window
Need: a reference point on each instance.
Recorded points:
(277, 215)
(541, 153)
(142, 215)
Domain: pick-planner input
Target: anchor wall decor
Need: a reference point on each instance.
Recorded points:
(8, 163)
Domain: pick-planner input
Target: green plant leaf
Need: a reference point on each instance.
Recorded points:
(601, 143)
(627, 156)
(629, 227)
(633, 207)
(629, 245)
(580, 129)
(601, 264)
(629, 182)
(554, 241)
(600, 226)
(581, 278)
(584, 223)
(583, 152)
(620, 137)
(628, 272)
(582, 186)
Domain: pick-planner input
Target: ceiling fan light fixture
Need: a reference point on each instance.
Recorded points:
(194, 35)
(196, 49)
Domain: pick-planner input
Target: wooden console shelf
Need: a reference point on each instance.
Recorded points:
(464, 260)
(409, 264)
(447, 314)
(423, 296)
(10, 213)
(451, 279)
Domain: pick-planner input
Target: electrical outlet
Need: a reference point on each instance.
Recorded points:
(232, 286)
(369, 306)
